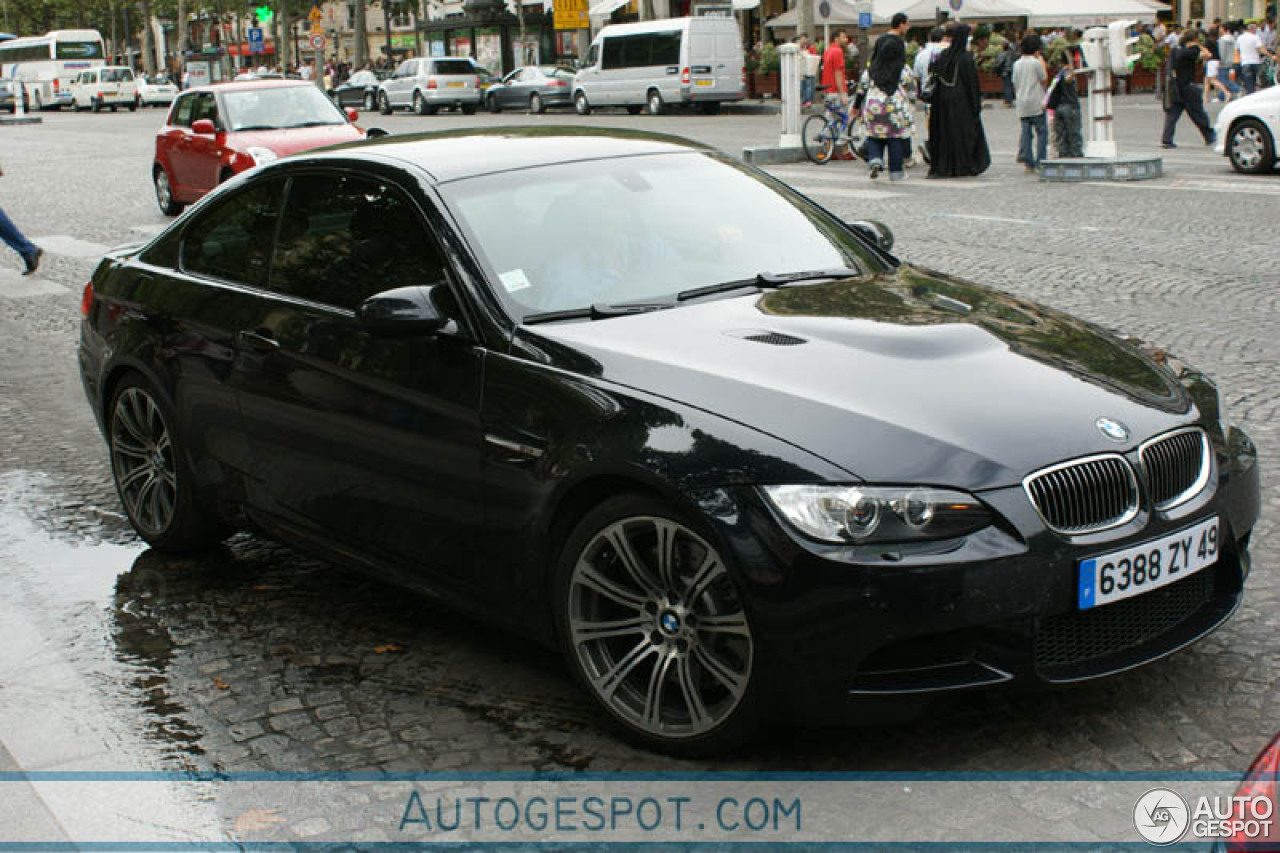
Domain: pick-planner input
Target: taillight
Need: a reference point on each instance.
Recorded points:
(557, 84)
(86, 300)
(684, 77)
(431, 83)
(55, 84)
(1258, 785)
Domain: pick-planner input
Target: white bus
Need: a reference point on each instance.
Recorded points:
(47, 64)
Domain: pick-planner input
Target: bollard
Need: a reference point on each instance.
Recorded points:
(18, 97)
(790, 85)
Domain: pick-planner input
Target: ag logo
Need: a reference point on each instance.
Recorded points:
(1161, 816)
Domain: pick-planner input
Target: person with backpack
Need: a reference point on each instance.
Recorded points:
(1182, 93)
(885, 94)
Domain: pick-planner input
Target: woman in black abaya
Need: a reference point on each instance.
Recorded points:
(957, 143)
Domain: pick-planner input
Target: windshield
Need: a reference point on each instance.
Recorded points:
(116, 75)
(363, 78)
(286, 106)
(638, 229)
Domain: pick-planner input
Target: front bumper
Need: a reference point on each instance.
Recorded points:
(839, 625)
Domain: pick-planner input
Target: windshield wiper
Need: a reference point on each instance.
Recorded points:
(257, 127)
(309, 124)
(598, 311)
(766, 279)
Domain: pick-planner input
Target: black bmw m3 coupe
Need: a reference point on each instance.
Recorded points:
(625, 395)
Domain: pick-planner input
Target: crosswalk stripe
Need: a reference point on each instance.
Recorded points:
(64, 244)
(15, 285)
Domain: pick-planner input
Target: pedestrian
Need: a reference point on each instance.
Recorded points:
(1183, 93)
(29, 251)
(885, 93)
(1227, 74)
(1003, 68)
(833, 80)
(1029, 79)
(1064, 101)
(1213, 69)
(957, 142)
(1251, 52)
(809, 62)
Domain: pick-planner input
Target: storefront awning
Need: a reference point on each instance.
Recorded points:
(745, 5)
(606, 7)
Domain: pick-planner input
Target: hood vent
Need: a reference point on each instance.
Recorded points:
(763, 336)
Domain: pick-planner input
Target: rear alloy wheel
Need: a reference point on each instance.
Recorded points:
(491, 103)
(164, 192)
(95, 105)
(133, 108)
(419, 103)
(654, 103)
(151, 474)
(535, 104)
(370, 102)
(468, 109)
(580, 104)
(1250, 148)
(384, 104)
(653, 626)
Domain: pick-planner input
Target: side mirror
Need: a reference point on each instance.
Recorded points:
(352, 115)
(375, 132)
(203, 126)
(403, 312)
(875, 231)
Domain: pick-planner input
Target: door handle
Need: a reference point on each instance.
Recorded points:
(259, 342)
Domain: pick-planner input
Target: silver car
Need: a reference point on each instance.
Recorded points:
(426, 85)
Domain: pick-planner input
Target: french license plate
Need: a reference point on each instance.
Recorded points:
(1151, 565)
(457, 85)
(706, 82)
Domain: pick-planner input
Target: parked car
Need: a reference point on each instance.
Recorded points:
(534, 87)
(1248, 132)
(215, 132)
(156, 90)
(651, 64)
(8, 99)
(359, 90)
(728, 454)
(426, 85)
(1254, 822)
(106, 86)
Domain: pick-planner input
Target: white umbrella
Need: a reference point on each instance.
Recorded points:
(927, 10)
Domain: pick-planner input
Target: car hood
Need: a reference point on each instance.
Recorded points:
(290, 141)
(902, 376)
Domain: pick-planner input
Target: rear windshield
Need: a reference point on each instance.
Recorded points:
(79, 50)
(454, 66)
(559, 73)
(116, 75)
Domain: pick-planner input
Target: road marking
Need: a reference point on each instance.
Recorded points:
(1193, 186)
(978, 218)
(15, 285)
(831, 176)
(64, 244)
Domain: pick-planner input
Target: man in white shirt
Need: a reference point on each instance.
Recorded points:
(1251, 53)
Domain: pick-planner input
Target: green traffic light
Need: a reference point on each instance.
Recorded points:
(264, 14)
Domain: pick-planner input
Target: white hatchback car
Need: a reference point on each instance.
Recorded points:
(1249, 130)
(156, 90)
(108, 86)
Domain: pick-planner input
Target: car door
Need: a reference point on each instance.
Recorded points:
(175, 140)
(204, 150)
(369, 441)
(503, 92)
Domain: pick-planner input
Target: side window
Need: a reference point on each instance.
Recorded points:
(344, 239)
(182, 111)
(206, 106)
(233, 241)
(593, 53)
(665, 49)
(613, 52)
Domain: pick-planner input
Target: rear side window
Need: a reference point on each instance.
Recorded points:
(232, 242)
(639, 51)
(182, 110)
(344, 239)
(453, 66)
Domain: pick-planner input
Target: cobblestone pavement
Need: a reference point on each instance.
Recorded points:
(259, 658)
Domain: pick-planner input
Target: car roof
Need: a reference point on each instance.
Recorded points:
(450, 155)
(249, 85)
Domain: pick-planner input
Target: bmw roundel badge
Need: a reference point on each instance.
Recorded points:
(1113, 430)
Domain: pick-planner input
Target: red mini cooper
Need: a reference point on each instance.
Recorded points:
(215, 132)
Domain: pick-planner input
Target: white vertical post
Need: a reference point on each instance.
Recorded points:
(790, 84)
(19, 95)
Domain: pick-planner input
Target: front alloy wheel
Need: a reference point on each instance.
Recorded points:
(655, 629)
(164, 193)
(384, 104)
(580, 104)
(1249, 147)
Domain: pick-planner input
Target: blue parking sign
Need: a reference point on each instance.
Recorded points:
(255, 40)
(864, 19)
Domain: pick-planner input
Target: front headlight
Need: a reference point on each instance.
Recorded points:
(262, 156)
(867, 514)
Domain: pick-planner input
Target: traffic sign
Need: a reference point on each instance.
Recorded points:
(315, 13)
(317, 42)
(256, 44)
(570, 15)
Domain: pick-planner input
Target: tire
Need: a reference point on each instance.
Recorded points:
(113, 108)
(468, 109)
(634, 109)
(133, 108)
(1250, 148)
(659, 668)
(491, 104)
(536, 106)
(818, 140)
(95, 105)
(580, 103)
(164, 192)
(654, 103)
(419, 103)
(432, 109)
(151, 472)
(384, 104)
(370, 102)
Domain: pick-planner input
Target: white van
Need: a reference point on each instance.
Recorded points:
(655, 63)
(106, 86)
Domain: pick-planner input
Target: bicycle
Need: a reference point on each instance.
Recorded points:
(822, 134)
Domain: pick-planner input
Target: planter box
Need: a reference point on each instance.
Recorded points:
(990, 84)
(767, 85)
